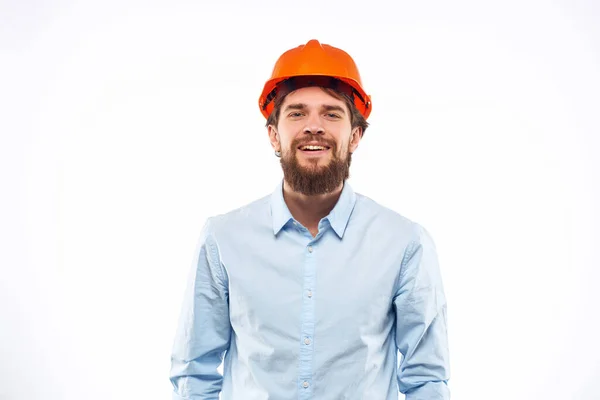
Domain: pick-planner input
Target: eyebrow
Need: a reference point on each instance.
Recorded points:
(302, 106)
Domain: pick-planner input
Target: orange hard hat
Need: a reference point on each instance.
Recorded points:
(315, 60)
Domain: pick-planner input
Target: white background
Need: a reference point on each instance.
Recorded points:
(124, 124)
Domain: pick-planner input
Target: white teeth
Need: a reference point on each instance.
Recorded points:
(312, 148)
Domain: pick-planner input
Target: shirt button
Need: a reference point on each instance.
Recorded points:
(305, 384)
(310, 249)
(310, 293)
(307, 341)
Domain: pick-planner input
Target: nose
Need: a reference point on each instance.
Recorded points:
(313, 125)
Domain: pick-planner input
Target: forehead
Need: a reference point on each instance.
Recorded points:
(313, 95)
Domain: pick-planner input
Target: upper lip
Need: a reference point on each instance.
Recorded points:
(315, 144)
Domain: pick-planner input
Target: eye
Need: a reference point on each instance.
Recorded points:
(295, 114)
(332, 115)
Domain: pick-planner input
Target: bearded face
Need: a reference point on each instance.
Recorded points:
(306, 172)
(316, 141)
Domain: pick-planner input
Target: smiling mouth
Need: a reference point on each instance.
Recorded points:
(313, 148)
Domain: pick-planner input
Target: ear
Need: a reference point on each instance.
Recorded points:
(274, 138)
(355, 138)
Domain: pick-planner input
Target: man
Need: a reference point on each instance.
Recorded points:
(311, 292)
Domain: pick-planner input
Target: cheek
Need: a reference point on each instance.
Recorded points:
(287, 134)
(288, 146)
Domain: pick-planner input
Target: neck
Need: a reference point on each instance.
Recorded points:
(309, 210)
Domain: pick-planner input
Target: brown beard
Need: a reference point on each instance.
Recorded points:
(315, 180)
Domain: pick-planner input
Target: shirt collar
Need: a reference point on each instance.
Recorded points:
(338, 217)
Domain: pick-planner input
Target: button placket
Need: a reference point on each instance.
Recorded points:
(308, 321)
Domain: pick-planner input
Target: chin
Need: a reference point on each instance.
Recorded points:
(314, 164)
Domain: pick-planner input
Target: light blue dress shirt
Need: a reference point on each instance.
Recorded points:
(300, 317)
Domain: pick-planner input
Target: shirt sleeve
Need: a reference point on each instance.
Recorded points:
(204, 330)
(421, 324)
